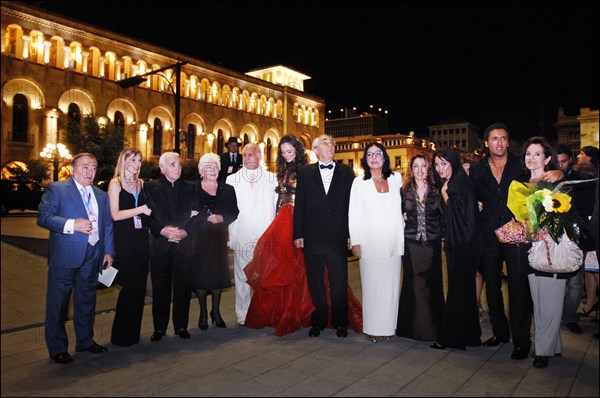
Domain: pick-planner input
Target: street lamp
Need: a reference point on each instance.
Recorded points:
(56, 153)
(137, 80)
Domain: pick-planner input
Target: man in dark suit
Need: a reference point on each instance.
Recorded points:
(492, 176)
(231, 161)
(171, 226)
(321, 229)
(81, 241)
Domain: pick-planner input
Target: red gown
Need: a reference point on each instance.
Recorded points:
(277, 275)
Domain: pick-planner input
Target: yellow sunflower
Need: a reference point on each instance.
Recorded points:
(560, 202)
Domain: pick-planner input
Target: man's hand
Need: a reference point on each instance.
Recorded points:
(356, 250)
(552, 176)
(299, 243)
(83, 225)
(108, 259)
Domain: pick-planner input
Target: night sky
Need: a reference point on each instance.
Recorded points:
(514, 62)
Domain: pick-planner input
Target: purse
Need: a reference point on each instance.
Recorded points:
(512, 232)
(546, 255)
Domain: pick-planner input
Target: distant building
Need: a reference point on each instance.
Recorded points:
(457, 133)
(354, 125)
(579, 130)
(54, 67)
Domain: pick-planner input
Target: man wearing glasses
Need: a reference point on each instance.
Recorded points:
(321, 229)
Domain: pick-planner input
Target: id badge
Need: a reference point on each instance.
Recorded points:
(137, 222)
(94, 221)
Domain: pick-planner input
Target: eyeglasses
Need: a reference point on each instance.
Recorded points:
(376, 154)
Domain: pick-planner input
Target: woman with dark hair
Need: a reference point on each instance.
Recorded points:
(377, 237)
(460, 325)
(422, 295)
(277, 273)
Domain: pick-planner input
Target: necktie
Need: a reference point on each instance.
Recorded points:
(328, 166)
(87, 201)
(233, 158)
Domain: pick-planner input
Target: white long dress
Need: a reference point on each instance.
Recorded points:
(377, 225)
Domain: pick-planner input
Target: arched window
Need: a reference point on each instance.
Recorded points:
(191, 140)
(245, 139)
(220, 141)
(20, 116)
(268, 150)
(119, 120)
(157, 144)
(74, 113)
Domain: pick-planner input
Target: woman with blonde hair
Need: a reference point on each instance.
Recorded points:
(129, 211)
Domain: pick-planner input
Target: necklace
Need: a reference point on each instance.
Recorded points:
(380, 181)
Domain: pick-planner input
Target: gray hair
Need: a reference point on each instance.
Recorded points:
(163, 158)
(317, 141)
(209, 158)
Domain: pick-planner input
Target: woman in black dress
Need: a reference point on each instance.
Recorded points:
(217, 203)
(460, 324)
(422, 295)
(129, 213)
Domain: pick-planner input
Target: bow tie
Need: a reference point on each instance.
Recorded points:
(328, 166)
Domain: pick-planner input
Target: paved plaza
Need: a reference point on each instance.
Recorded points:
(238, 361)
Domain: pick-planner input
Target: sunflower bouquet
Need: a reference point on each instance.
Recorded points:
(545, 210)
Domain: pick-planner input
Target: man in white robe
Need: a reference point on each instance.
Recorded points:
(255, 191)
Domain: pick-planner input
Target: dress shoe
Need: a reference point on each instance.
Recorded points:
(96, 349)
(558, 355)
(374, 339)
(314, 331)
(341, 331)
(156, 336)
(64, 358)
(216, 317)
(241, 321)
(386, 337)
(437, 346)
(183, 334)
(494, 341)
(519, 353)
(540, 362)
(574, 328)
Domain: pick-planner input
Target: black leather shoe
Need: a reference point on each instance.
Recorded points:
(96, 349)
(183, 334)
(314, 331)
(156, 336)
(341, 331)
(437, 346)
(519, 353)
(494, 341)
(63, 358)
(574, 328)
(540, 362)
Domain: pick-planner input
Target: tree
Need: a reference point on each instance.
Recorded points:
(103, 142)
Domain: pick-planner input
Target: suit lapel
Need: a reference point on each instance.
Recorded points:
(316, 175)
(76, 197)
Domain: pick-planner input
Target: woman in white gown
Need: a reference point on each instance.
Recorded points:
(377, 237)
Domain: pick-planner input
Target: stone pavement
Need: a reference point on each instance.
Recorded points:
(238, 361)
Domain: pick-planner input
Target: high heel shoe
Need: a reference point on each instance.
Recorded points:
(219, 321)
(587, 313)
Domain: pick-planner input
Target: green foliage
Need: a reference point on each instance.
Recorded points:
(37, 170)
(105, 143)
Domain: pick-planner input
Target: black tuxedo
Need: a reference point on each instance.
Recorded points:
(170, 262)
(322, 221)
(226, 162)
(495, 213)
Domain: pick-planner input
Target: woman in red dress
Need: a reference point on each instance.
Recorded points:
(277, 273)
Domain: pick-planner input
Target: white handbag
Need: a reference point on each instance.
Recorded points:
(546, 255)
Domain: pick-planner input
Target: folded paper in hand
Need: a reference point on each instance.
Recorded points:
(107, 276)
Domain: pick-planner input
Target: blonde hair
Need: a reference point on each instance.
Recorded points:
(126, 154)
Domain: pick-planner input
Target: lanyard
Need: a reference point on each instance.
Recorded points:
(135, 195)
(88, 203)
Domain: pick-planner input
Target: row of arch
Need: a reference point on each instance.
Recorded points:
(148, 133)
(54, 52)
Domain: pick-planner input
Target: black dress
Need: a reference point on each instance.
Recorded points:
(460, 325)
(132, 261)
(210, 265)
(422, 296)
